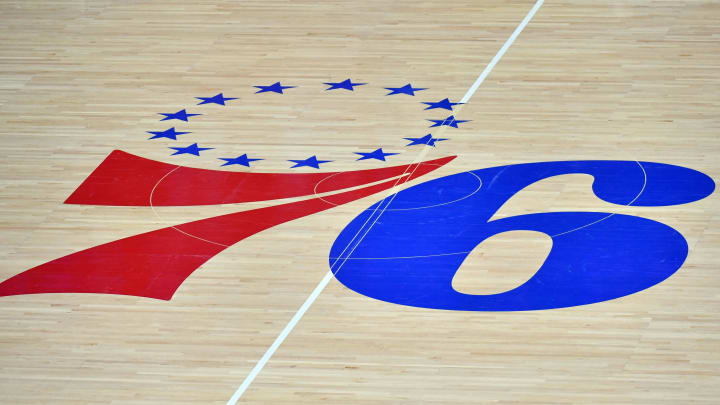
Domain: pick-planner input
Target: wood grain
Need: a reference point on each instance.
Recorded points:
(585, 80)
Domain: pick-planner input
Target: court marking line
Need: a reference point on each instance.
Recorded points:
(330, 274)
(173, 226)
(326, 194)
(299, 313)
(501, 52)
(406, 257)
(642, 190)
(480, 183)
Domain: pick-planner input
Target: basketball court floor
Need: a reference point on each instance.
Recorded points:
(359, 202)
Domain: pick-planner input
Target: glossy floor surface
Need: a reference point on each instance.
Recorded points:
(633, 81)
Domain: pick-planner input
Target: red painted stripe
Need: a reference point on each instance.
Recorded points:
(155, 264)
(123, 179)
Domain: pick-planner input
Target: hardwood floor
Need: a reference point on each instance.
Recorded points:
(585, 80)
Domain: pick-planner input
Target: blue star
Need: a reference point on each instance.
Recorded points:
(347, 85)
(168, 133)
(240, 160)
(449, 121)
(216, 99)
(180, 115)
(275, 88)
(192, 149)
(425, 140)
(376, 154)
(310, 162)
(406, 89)
(446, 104)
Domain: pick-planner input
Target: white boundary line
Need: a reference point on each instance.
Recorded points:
(152, 207)
(480, 183)
(278, 341)
(329, 275)
(642, 189)
(501, 52)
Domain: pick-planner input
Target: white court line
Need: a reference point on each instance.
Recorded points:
(501, 52)
(480, 183)
(324, 282)
(285, 332)
(152, 207)
(642, 189)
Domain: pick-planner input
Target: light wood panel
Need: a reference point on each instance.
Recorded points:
(585, 80)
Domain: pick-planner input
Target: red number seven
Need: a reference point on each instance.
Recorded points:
(155, 264)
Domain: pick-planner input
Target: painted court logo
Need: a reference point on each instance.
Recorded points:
(408, 258)
(595, 256)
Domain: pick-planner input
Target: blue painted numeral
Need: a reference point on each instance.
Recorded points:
(412, 252)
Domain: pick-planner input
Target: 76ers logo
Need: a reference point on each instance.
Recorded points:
(409, 257)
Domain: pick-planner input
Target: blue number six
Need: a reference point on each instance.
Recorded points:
(412, 252)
